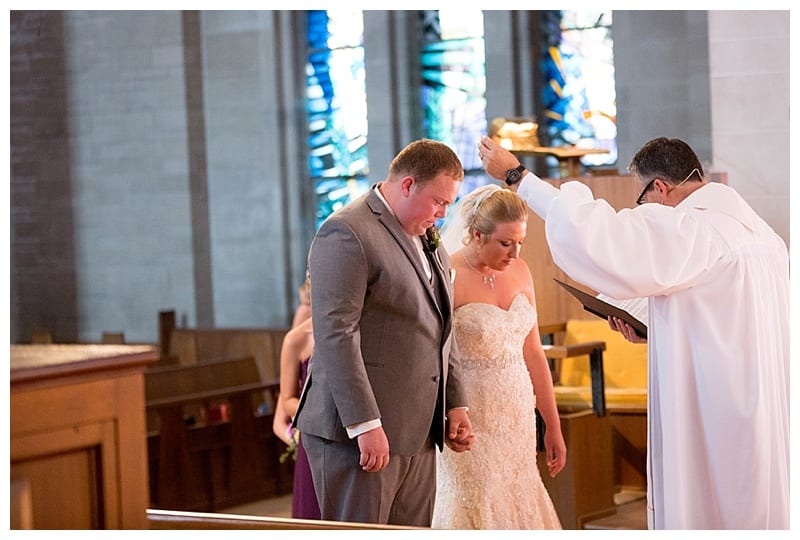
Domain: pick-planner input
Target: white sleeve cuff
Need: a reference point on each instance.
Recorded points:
(537, 193)
(357, 429)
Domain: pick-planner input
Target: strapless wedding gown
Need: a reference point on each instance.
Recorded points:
(496, 485)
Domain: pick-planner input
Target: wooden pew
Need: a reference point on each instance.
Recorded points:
(189, 346)
(199, 345)
(210, 440)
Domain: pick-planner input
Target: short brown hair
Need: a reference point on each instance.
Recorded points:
(424, 160)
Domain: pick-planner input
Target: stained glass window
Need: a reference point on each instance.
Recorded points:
(579, 96)
(336, 107)
(454, 85)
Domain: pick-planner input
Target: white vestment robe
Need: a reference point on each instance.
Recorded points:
(717, 279)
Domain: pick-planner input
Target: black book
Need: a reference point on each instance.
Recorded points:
(604, 310)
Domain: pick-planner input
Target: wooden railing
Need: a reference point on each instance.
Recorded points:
(176, 520)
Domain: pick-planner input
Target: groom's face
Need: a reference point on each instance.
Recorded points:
(426, 203)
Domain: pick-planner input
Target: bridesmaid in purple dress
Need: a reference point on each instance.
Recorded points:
(295, 354)
(304, 499)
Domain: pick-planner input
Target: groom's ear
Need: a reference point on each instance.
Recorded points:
(406, 185)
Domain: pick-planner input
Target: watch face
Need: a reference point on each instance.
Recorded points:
(513, 176)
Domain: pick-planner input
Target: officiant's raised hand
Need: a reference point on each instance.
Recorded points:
(496, 160)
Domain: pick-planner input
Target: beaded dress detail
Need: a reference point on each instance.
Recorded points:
(496, 485)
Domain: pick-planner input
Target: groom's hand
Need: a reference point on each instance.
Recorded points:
(374, 448)
(459, 435)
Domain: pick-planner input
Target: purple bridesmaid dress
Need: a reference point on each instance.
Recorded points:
(304, 499)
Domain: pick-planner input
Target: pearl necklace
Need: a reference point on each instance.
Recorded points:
(487, 279)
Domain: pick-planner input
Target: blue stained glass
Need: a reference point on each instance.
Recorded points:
(580, 98)
(335, 193)
(317, 31)
(454, 81)
(336, 108)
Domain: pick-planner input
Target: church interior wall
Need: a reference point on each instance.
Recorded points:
(750, 128)
(157, 158)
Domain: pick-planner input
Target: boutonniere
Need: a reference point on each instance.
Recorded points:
(432, 238)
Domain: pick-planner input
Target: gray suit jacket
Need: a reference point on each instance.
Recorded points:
(384, 346)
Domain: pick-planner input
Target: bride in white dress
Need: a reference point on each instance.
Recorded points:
(497, 484)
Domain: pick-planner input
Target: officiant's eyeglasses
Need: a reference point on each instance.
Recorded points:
(641, 199)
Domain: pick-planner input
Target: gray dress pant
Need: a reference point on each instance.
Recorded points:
(401, 494)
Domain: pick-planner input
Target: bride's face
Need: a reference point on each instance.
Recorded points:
(501, 248)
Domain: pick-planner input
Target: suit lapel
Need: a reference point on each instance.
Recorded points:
(390, 223)
(442, 280)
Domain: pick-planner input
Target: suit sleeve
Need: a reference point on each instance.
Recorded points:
(454, 390)
(338, 273)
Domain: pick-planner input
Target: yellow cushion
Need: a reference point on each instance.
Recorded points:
(624, 367)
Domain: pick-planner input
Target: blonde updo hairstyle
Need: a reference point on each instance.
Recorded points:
(489, 205)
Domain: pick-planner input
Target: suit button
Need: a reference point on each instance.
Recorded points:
(435, 378)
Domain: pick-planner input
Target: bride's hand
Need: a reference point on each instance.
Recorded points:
(556, 452)
(458, 435)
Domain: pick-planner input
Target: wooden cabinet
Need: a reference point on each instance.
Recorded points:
(78, 452)
(584, 489)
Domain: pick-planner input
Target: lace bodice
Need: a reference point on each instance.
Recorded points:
(492, 336)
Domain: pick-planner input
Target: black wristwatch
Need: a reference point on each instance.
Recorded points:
(514, 175)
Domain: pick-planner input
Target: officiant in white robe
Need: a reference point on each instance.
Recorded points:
(717, 279)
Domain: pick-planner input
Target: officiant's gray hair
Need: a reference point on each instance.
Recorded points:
(489, 205)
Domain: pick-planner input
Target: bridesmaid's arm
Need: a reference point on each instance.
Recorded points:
(281, 423)
(296, 345)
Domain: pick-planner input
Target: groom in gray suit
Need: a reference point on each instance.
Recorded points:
(384, 385)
